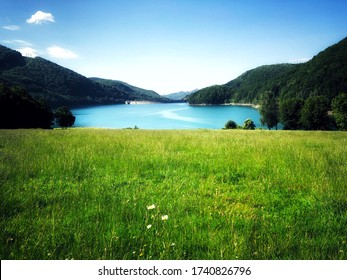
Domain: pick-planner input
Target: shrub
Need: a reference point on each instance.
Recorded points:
(64, 117)
(248, 124)
(230, 125)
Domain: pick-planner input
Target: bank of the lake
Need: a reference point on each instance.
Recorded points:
(164, 116)
(256, 106)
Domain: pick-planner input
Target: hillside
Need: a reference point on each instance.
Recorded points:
(141, 94)
(181, 95)
(325, 74)
(56, 85)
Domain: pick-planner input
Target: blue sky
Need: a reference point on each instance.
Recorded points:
(171, 45)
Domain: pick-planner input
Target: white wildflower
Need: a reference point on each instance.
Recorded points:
(149, 226)
(151, 207)
(164, 218)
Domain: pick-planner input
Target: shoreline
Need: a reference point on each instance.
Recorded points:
(140, 102)
(256, 106)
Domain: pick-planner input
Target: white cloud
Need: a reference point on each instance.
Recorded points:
(11, 27)
(300, 60)
(58, 52)
(27, 51)
(40, 17)
(18, 42)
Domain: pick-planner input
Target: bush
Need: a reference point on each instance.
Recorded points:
(230, 125)
(248, 124)
(64, 117)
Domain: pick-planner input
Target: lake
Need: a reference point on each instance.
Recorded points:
(163, 116)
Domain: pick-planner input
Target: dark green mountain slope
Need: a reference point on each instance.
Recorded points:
(248, 86)
(325, 74)
(52, 83)
(141, 94)
(10, 59)
(58, 86)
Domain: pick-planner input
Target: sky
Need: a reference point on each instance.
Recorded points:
(171, 45)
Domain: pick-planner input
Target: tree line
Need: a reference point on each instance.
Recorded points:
(314, 113)
(18, 109)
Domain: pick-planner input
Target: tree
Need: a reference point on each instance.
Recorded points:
(64, 117)
(269, 108)
(248, 124)
(18, 109)
(289, 111)
(230, 125)
(314, 113)
(339, 106)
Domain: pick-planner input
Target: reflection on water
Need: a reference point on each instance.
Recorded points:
(171, 114)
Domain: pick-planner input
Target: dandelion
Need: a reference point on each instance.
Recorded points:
(151, 207)
(149, 226)
(164, 218)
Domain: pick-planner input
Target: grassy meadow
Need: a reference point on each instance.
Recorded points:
(202, 194)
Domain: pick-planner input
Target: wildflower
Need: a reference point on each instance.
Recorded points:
(151, 207)
(164, 218)
(149, 226)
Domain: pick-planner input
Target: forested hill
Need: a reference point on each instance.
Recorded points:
(325, 74)
(181, 95)
(56, 85)
(140, 93)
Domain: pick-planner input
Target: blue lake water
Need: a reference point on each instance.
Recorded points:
(163, 116)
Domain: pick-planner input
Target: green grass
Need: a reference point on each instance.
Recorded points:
(84, 193)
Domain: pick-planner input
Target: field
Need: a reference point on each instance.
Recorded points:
(203, 194)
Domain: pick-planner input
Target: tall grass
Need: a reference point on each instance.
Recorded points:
(105, 194)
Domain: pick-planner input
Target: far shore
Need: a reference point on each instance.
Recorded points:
(132, 102)
(257, 106)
